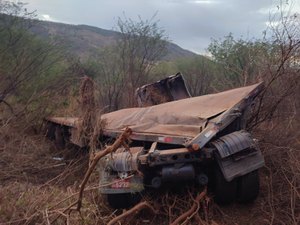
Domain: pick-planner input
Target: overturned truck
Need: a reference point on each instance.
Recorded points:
(186, 140)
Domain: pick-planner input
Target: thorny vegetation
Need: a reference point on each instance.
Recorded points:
(36, 186)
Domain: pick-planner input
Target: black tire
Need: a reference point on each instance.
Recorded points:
(123, 201)
(225, 192)
(50, 130)
(59, 138)
(248, 187)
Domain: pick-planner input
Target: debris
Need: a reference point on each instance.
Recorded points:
(58, 158)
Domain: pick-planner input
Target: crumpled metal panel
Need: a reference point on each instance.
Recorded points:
(169, 89)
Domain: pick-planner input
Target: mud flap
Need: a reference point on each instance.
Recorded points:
(237, 154)
(232, 168)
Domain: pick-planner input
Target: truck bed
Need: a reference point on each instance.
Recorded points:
(177, 122)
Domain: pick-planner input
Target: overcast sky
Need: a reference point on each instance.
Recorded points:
(188, 23)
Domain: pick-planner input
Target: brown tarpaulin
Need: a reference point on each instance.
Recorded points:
(184, 117)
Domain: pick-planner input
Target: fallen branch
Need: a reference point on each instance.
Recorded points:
(195, 207)
(122, 138)
(120, 141)
(133, 210)
(63, 211)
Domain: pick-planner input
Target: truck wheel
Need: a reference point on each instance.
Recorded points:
(59, 138)
(225, 192)
(50, 130)
(124, 200)
(248, 187)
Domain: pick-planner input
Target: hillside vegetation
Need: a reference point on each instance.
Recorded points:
(86, 41)
(41, 67)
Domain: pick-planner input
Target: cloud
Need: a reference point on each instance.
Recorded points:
(203, 1)
(189, 23)
(46, 17)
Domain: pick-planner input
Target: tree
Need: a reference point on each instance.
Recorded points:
(140, 45)
(27, 63)
(238, 60)
(106, 70)
(199, 73)
(273, 59)
(281, 65)
(123, 67)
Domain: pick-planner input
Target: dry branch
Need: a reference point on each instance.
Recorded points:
(87, 106)
(131, 211)
(195, 207)
(120, 141)
(122, 138)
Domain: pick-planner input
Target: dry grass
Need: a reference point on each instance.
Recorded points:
(282, 174)
(33, 185)
(35, 188)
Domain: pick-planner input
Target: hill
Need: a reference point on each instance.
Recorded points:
(84, 40)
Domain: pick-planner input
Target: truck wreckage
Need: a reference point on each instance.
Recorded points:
(177, 139)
